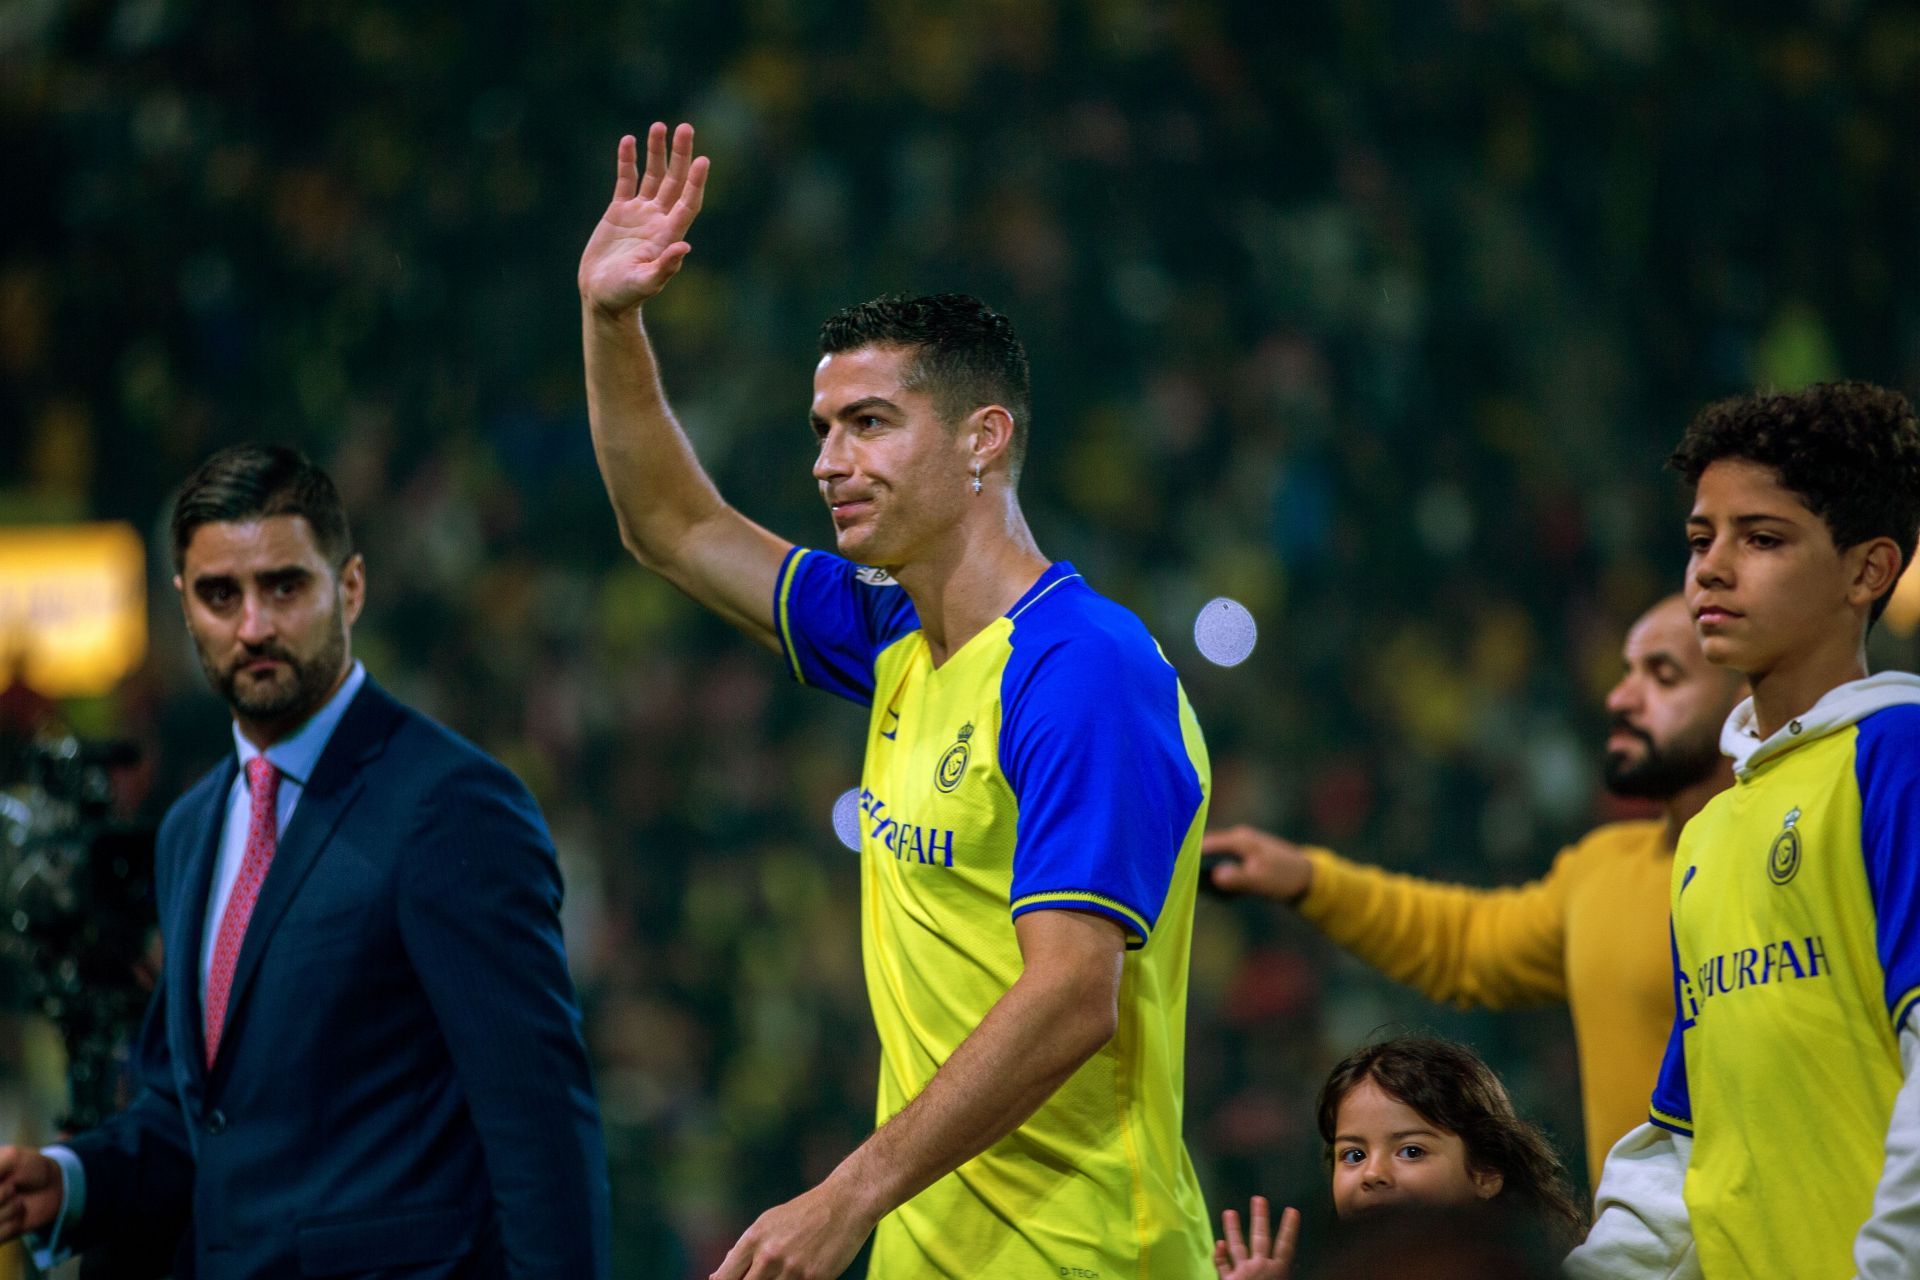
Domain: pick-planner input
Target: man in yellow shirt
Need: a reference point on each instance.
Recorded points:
(1591, 932)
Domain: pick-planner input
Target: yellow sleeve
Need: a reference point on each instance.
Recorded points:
(1496, 948)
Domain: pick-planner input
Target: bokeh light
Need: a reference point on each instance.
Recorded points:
(846, 818)
(1225, 632)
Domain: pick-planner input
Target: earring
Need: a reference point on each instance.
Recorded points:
(976, 477)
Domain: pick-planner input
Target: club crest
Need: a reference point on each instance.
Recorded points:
(1783, 858)
(953, 765)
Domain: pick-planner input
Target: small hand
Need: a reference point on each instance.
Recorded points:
(30, 1192)
(1265, 1255)
(811, 1237)
(1258, 863)
(640, 242)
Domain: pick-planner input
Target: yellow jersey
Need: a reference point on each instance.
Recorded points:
(1051, 762)
(1796, 951)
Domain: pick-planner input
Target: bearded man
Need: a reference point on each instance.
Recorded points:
(1592, 932)
(364, 1056)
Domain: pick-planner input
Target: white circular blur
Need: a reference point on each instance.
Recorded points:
(846, 818)
(1224, 632)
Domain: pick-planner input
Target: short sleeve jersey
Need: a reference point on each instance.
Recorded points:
(1051, 762)
(1796, 941)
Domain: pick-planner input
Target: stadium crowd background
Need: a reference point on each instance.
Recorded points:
(1379, 317)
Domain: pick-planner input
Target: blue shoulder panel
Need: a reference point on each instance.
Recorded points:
(1887, 767)
(1091, 744)
(833, 619)
(1672, 1104)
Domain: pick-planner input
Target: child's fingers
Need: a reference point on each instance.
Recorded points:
(1236, 1244)
(1261, 1236)
(1288, 1239)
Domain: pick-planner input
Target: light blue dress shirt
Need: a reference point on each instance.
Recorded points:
(295, 757)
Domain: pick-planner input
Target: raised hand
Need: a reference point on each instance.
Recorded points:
(640, 242)
(1255, 862)
(1265, 1254)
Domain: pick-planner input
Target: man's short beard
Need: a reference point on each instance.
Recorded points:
(313, 678)
(1663, 772)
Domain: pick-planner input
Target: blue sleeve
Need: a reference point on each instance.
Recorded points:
(834, 617)
(479, 913)
(1093, 744)
(136, 1168)
(1672, 1106)
(1887, 767)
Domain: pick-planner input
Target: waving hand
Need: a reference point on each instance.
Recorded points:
(639, 244)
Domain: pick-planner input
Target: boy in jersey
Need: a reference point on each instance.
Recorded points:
(1785, 1130)
(1033, 796)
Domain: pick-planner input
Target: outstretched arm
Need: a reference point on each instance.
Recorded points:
(1056, 1015)
(671, 517)
(1496, 948)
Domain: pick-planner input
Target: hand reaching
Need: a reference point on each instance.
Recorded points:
(1265, 1254)
(1258, 863)
(639, 243)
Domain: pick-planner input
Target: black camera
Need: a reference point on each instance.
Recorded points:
(76, 890)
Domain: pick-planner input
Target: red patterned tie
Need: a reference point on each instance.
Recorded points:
(263, 780)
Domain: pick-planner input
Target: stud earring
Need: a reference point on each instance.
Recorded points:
(976, 477)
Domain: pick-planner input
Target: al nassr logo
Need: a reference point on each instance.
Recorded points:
(953, 765)
(1783, 859)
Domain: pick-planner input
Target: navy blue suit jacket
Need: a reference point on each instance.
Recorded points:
(402, 1087)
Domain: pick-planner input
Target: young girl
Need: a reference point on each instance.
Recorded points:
(1415, 1121)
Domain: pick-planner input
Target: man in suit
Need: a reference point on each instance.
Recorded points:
(364, 1056)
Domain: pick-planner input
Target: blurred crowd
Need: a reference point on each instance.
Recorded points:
(1378, 316)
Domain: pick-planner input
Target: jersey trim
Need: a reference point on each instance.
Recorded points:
(1905, 1005)
(1041, 595)
(1079, 900)
(1671, 1123)
(782, 589)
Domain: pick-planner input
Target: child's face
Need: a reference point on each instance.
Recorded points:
(1764, 579)
(1386, 1153)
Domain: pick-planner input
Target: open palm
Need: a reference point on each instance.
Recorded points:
(639, 243)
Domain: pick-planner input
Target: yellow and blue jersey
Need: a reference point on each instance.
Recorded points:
(1796, 943)
(1051, 762)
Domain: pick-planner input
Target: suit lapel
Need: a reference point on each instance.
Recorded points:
(187, 918)
(336, 783)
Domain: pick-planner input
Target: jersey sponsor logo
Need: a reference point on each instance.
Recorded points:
(874, 577)
(1783, 857)
(1747, 967)
(953, 765)
(892, 730)
(906, 841)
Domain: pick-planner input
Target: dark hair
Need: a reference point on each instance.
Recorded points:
(253, 481)
(965, 354)
(1849, 450)
(1452, 1088)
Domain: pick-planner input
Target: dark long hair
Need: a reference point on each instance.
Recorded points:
(1452, 1088)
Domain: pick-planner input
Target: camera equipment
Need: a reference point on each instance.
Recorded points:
(76, 893)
